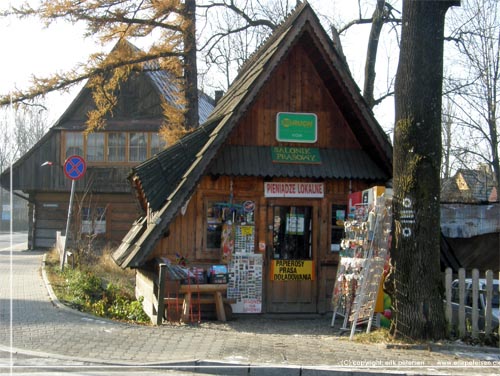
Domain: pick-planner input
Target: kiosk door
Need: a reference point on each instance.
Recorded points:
(292, 283)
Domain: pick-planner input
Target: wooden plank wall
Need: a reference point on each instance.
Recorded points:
(289, 90)
(51, 213)
(31, 176)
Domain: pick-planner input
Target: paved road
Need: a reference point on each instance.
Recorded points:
(40, 331)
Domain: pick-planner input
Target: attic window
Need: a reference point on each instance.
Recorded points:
(157, 144)
(116, 147)
(73, 144)
(138, 147)
(95, 147)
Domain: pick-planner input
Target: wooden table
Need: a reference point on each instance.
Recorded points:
(215, 290)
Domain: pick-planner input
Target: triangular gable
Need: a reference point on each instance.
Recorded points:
(161, 82)
(135, 249)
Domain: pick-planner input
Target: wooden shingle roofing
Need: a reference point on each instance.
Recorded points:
(200, 152)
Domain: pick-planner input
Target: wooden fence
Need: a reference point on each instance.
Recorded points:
(469, 303)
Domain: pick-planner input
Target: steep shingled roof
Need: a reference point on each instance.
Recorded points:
(140, 241)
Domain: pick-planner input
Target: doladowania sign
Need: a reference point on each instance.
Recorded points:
(292, 270)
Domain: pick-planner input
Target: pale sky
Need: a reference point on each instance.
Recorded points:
(30, 49)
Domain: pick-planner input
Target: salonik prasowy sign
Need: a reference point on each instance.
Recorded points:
(296, 127)
(284, 154)
(294, 190)
(292, 270)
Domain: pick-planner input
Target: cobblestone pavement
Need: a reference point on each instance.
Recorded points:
(39, 326)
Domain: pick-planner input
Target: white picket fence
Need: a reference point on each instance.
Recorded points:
(469, 302)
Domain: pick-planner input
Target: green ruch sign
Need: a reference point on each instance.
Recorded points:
(296, 127)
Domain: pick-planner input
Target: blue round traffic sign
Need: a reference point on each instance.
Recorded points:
(75, 167)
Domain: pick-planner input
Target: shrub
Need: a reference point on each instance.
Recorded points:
(84, 290)
(83, 285)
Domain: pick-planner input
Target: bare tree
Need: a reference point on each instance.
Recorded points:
(234, 29)
(475, 86)
(447, 132)
(6, 140)
(31, 124)
(384, 13)
(20, 129)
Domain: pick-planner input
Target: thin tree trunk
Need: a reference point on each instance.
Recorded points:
(494, 148)
(190, 67)
(371, 53)
(417, 290)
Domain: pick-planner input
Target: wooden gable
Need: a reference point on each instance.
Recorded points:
(295, 86)
(139, 107)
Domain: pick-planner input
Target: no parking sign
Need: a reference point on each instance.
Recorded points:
(75, 167)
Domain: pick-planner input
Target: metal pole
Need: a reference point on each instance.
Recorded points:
(66, 234)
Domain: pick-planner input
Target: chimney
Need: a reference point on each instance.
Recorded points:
(218, 95)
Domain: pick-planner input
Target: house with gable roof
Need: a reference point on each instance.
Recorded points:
(470, 220)
(470, 186)
(104, 204)
(259, 187)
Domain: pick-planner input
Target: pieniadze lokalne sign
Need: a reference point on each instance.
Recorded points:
(298, 190)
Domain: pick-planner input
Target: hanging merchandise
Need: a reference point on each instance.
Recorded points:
(227, 241)
(245, 283)
(364, 254)
(244, 238)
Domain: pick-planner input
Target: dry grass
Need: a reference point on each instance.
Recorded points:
(102, 266)
(379, 335)
(107, 269)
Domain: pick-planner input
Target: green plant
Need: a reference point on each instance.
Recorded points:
(130, 310)
(100, 288)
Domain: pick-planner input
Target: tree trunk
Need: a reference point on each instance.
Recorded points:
(190, 68)
(371, 53)
(494, 147)
(418, 297)
(447, 133)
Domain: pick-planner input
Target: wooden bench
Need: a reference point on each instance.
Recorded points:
(202, 294)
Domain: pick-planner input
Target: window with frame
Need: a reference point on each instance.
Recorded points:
(138, 147)
(73, 144)
(337, 229)
(95, 147)
(117, 147)
(157, 144)
(102, 147)
(93, 220)
(214, 225)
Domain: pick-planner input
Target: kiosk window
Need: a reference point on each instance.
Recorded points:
(214, 225)
(337, 232)
(230, 226)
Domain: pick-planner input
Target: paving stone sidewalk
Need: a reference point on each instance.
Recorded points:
(39, 326)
